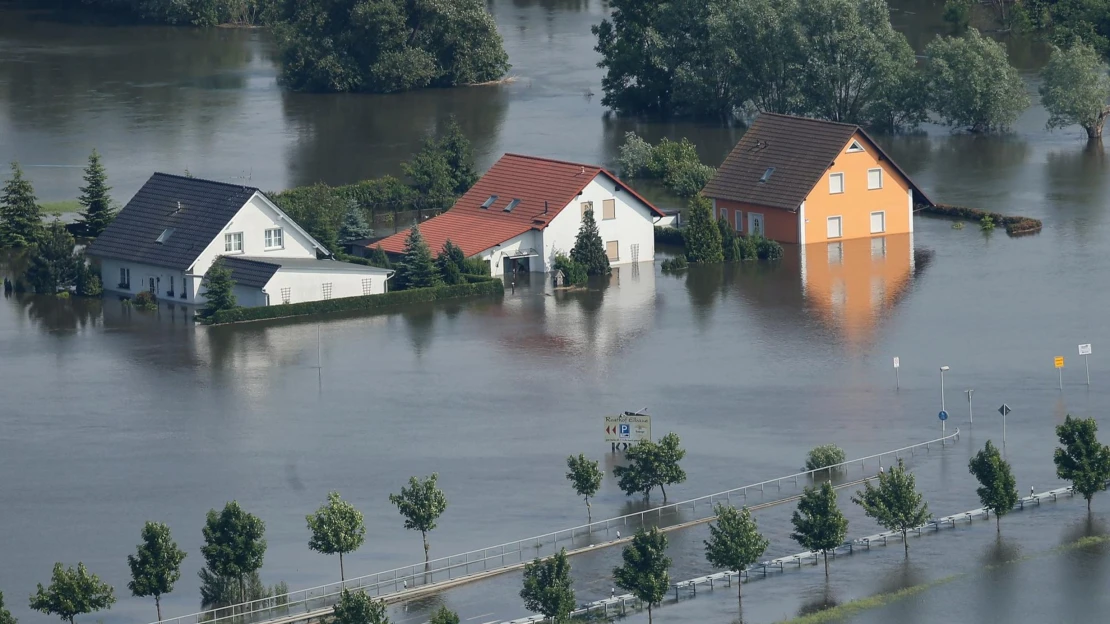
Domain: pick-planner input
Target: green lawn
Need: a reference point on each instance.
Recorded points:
(59, 207)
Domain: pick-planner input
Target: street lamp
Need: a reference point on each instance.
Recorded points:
(942, 371)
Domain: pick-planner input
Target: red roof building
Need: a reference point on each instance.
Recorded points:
(526, 209)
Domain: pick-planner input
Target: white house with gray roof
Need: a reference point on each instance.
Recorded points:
(169, 234)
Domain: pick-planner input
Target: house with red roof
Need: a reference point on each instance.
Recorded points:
(525, 209)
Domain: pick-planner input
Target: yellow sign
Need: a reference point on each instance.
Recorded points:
(1059, 361)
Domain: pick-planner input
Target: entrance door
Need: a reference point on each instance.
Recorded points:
(755, 224)
(153, 289)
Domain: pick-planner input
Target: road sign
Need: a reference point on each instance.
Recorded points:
(943, 415)
(1084, 349)
(1005, 409)
(627, 428)
(1059, 361)
(896, 363)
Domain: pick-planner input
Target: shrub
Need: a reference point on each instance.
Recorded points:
(635, 155)
(687, 178)
(703, 238)
(825, 456)
(986, 223)
(728, 240)
(146, 300)
(748, 249)
(669, 236)
(475, 266)
(677, 263)
(88, 283)
(574, 272)
(767, 249)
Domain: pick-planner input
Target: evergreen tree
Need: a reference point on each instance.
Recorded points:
(450, 263)
(585, 476)
(72, 593)
(588, 249)
(355, 227)
(456, 149)
(644, 572)
(88, 282)
(5, 615)
(156, 564)
(702, 236)
(378, 258)
(734, 541)
(729, 245)
(547, 587)
(895, 504)
(20, 219)
(218, 289)
(418, 268)
(53, 263)
(1082, 460)
(997, 487)
(97, 208)
(819, 524)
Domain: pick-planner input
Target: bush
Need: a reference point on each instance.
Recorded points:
(146, 300)
(677, 263)
(88, 283)
(825, 456)
(476, 266)
(486, 287)
(669, 236)
(767, 249)
(635, 155)
(986, 223)
(687, 179)
(748, 248)
(574, 272)
(703, 237)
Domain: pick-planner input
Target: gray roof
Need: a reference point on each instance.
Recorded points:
(798, 148)
(312, 264)
(196, 210)
(250, 272)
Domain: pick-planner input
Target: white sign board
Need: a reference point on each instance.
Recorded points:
(627, 427)
(1084, 349)
(896, 361)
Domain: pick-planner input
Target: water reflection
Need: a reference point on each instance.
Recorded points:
(1077, 184)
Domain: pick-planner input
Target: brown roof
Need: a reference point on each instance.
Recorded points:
(798, 148)
(534, 181)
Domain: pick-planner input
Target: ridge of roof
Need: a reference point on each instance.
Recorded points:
(189, 178)
(552, 160)
(812, 119)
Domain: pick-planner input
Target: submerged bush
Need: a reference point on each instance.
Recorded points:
(824, 456)
(676, 163)
(677, 263)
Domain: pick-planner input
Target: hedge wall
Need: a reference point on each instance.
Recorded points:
(669, 236)
(1015, 226)
(487, 287)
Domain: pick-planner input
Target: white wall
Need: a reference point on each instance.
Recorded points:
(140, 280)
(528, 240)
(307, 285)
(633, 224)
(253, 219)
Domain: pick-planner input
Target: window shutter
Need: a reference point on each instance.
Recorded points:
(609, 209)
(612, 249)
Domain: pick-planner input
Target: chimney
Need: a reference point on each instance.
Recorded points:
(583, 172)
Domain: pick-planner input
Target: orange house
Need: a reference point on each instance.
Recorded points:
(800, 180)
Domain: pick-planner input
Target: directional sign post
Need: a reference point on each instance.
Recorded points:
(627, 429)
(1085, 350)
(943, 415)
(1059, 362)
(970, 413)
(897, 383)
(1005, 409)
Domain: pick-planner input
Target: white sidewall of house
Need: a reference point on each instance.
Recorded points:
(633, 225)
(253, 219)
(140, 280)
(308, 285)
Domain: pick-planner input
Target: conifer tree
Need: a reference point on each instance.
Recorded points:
(419, 270)
(588, 249)
(20, 219)
(355, 227)
(378, 258)
(97, 208)
(702, 236)
(218, 287)
(450, 262)
(456, 149)
(53, 264)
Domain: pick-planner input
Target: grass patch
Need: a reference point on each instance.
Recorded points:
(60, 207)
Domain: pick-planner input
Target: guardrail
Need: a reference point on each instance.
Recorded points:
(306, 601)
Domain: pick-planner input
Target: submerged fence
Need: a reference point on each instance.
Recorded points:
(305, 603)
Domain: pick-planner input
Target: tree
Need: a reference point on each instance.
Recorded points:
(156, 564)
(383, 46)
(218, 289)
(818, 523)
(972, 82)
(378, 258)
(588, 249)
(355, 227)
(702, 237)
(652, 465)
(418, 269)
(997, 487)
(337, 528)
(358, 608)
(1082, 460)
(1075, 89)
(422, 503)
(644, 572)
(734, 541)
(72, 593)
(20, 219)
(450, 263)
(233, 543)
(895, 504)
(824, 456)
(98, 209)
(460, 157)
(5, 615)
(585, 476)
(547, 587)
(444, 616)
(88, 281)
(53, 264)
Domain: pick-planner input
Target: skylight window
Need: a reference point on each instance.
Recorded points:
(767, 175)
(512, 204)
(489, 202)
(164, 236)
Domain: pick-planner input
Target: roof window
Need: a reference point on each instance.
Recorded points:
(767, 175)
(512, 204)
(854, 147)
(164, 236)
(489, 202)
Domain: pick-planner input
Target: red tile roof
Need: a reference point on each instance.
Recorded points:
(530, 179)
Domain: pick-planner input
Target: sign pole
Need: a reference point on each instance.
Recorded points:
(1058, 362)
(1088, 367)
(1061, 371)
(970, 412)
(897, 381)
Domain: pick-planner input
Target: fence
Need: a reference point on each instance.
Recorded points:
(302, 604)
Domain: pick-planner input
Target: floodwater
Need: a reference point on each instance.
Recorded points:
(111, 416)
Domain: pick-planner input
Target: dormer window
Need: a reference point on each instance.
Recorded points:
(164, 236)
(489, 202)
(767, 175)
(854, 147)
(512, 204)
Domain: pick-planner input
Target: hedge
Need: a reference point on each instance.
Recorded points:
(669, 236)
(488, 287)
(1015, 226)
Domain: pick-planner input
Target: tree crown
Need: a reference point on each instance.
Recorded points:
(547, 587)
(422, 503)
(233, 541)
(734, 539)
(337, 527)
(818, 523)
(895, 504)
(644, 571)
(156, 564)
(72, 593)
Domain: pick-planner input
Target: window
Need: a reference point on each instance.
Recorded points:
(164, 236)
(834, 227)
(286, 294)
(125, 278)
(489, 201)
(609, 209)
(878, 247)
(169, 293)
(612, 249)
(739, 222)
(878, 222)
(836, 183)
(587, 206)
(766, 177)
(836, 253)
(233, 242)
(326, 288)
(366, 286)
(275, 239)
(854, 147)
(513, 204)
(874, 179)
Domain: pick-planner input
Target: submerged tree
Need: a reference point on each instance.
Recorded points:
(972, 82)
(585, 476)
(5, 615)
(1075, 88)
(1082, 460)
(818, 522)
(72, 593)
(588, 249)
(156, 564)
(337, 528)
(652, 465)
(97, 209)
(734, 541)
(997, 487)
(443, 615)
(421, 504)
(644, 571)
(895, 504)
(233, 543)
(548, 587)
(702, 236)
(53, 263)
(19, 211)
(218, 289)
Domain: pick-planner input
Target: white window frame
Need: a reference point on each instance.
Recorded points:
(839, 227)
(268, 238)
(125, 277)
(879, 171)
(882, 213)
(229, 240)
(833, 176)
(854, 147)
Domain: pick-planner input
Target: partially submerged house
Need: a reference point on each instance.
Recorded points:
(801, 180)
(170, 233)
(525, 209)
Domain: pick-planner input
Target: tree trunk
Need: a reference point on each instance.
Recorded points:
(342, 577)
(1094, 132)
(998, 523)
(664, 492)
(589, 514)
(158, 605)
(424, 535)
(1088, 504)
(826, 554)
(242, 591)
(649, 614)
(739, 591)
(905, 542)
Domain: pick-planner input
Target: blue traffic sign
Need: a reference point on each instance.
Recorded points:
(626, 431)
(943, 415)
